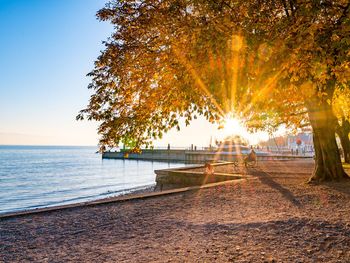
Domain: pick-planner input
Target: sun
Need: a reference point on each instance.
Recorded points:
(233, 126)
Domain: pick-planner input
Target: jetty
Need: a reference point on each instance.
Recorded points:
(192, 156)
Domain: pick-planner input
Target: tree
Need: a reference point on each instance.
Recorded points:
(270, 62)
(313, 58)
(341, 105)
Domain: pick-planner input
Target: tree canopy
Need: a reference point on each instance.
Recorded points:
(270, 62)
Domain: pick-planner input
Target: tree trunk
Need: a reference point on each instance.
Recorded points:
(343, 133)
(328, 166)
(345, 143)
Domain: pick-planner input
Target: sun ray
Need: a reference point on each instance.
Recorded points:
(267, 88)
(198, 80)
(217, 154)
(237, 43)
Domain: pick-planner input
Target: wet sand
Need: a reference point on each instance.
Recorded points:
(275, 217)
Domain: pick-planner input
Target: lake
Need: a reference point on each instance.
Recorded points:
(42, 176)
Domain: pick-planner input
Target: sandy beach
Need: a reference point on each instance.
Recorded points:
(274, 217)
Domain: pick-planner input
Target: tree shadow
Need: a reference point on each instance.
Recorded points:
(317, 233)
(342, 186)
(266, 179)
(288, 224)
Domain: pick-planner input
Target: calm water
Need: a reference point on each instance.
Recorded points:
(40, 176)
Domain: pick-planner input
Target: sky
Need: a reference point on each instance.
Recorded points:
(47, 47)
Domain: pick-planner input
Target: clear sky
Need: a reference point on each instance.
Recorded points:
(47, 47)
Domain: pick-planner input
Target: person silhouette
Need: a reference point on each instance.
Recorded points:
(209, 169)
(251, 157)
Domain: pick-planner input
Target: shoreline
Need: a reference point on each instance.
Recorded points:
(276, 217)
(139, 194)
(63, 204)
(128, 194)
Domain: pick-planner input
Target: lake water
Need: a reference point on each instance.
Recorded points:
(42, 176)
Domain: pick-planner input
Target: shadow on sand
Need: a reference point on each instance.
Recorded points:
(266, 179)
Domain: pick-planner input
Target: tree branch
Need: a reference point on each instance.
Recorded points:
(285, 8)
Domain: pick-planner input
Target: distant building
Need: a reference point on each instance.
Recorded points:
(280, 141)
(299, 144)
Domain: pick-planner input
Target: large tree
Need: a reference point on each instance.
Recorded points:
(341, 105)
(270, 62)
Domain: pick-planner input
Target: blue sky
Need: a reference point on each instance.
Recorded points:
(47, 47)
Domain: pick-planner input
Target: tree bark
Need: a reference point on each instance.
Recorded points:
(343, 133)
(328, 166)
(345, 143)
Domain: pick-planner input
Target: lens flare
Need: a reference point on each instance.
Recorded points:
(233, 126)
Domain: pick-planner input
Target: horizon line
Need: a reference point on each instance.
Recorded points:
(49, 145)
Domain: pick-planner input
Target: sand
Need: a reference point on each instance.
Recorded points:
(275, 217)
